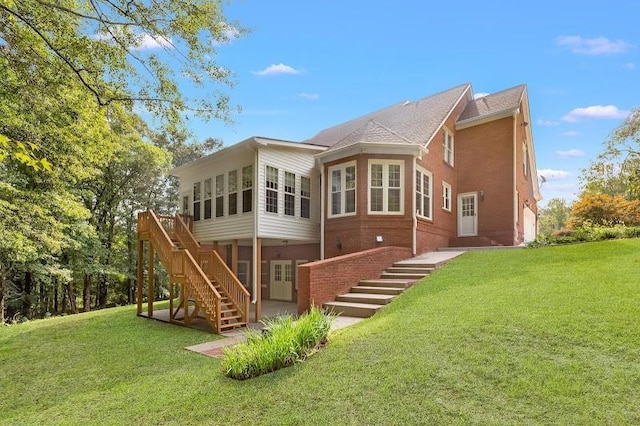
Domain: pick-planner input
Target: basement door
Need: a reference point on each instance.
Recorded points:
(281, 283)
(467, 215)
(530, 225)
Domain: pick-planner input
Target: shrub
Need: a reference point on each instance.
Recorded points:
(603, 209)
(283, 342)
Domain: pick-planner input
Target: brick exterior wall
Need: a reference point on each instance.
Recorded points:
(322, 281)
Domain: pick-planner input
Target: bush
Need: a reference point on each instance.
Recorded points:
(283, 342)
(603, 209)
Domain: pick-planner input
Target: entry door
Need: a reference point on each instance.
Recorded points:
(530, 226)
(467, 215)
(280, 284)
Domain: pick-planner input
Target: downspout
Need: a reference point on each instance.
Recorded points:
(322, 202)
(413, 208)
(256, 212)
(515, 186)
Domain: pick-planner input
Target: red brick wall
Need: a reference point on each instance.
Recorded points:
(485, 166)
(322, 281)
(358, 232)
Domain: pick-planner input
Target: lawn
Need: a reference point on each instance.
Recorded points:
(541, 336)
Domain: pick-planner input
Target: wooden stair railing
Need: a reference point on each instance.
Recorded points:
(181, 264)
(213, 266)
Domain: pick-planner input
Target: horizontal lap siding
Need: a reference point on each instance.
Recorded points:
(272, 225)
(240, 225)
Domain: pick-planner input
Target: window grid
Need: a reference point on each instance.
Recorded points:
(343, 189)
(197, 192)
(207, 198)
(219, 195)
(233, 192)
(247, 188)
(289, 194)
(423, 193)
(385, 187)
(271, 184)
(448, 145)
(446, 196)
(305, 197)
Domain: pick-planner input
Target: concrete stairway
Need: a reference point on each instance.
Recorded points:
(369, 296)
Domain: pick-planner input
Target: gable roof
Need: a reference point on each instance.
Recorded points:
(406, 123)
(493, 105)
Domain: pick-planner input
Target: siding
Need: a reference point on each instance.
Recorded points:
(278, 225)
(238, 226)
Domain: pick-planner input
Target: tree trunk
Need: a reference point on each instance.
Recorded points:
(72, 298)
(26, 295)
(55, 296)
(1, 299)
(86, 293)
(103, 284)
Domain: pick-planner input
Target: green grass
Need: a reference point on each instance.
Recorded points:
(542, 336)
(282, 343)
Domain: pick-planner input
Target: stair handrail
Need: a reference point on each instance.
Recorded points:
(238, 295)
(207, 294)
(159, 238)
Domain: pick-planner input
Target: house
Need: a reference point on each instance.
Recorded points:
(446, 170)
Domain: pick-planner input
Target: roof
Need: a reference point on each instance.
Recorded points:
(505, 100)
(408, 123)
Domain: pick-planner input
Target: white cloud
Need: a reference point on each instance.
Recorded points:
(629, 66)
(571, 153)
(309, 96)
(595, 112)
(546, 123)
(592, 46)
(480, 95)
(550, 174)
(277, 69)
(571, 133)
(146, 41)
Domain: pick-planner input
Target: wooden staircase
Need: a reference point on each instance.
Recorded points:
(371, 295)
(207, 287)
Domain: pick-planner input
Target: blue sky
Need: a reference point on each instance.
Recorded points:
(306, 66)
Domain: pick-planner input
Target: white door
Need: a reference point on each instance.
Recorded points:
(529, 225)
(280, 284)
(467, 215)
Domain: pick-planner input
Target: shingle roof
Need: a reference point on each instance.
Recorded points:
(402, 123)
(491, 104)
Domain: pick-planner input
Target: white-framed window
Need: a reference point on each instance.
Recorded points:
(386, 186)
(220, 195)
(424, 189)
(232, 186)
(342, 181)
(305, 197)
(185, 204)
(524, 158)
(289, 194)
(446, 196)
(207, 198)
(197, 193)
(447, 147)
(271, 184)
(247, 188)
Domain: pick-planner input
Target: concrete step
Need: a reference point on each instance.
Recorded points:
(414, 264)
(350, 309)
(386, 283)
(376, 290)
(406, 269)
(398, 275)
(374, 299)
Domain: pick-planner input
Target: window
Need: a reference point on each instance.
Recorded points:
(247, 188)
(446, 196)
(289, 194)
(305, 197)
(219, 195)
(423, 193)
(385, 187)
(272, 190)
(185, 204)
(448, 147)
(343, 189)
(243, 272)
(233, 192)
(207, 198)
(524, 158)
(197, 192)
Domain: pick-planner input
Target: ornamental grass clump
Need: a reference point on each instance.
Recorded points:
(283, 342)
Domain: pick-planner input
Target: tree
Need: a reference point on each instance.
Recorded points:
(616, 171)
(554, 216)
(604, 209)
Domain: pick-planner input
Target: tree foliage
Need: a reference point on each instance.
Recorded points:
(604, 209)
(554, 216)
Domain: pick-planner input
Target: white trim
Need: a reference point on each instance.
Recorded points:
(385, 186)
(475, 215)
(323, 187)
(515, 176)
(414, 213)
(372, 148)
(446, 195)
(426, 172)
(476, 121)
(448, 136)
(343, 189)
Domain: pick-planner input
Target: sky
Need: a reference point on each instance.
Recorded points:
(306, 66)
